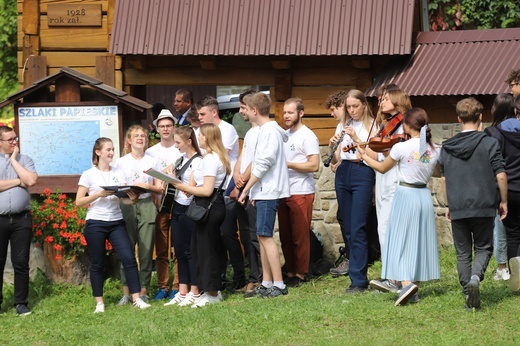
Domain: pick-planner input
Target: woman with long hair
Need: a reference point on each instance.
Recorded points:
(183, 227)
(105, 222)
(139, 217)
(354, 183)
(411, 231)
(206, 242)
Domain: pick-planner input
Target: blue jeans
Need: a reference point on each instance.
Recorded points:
(265, 216)
(96, 233)
(499, 241)
(354, 183)
(18, 232)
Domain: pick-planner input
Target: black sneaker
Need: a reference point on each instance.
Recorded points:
(275, 292)
(473, 298)
(259, 291)
(294, 281)
(406, 293)
(22, 310)
(355, 289)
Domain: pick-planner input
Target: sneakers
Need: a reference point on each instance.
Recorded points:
(250, 287)
(294, 281)
(190, 299)
(125, 300)
(514, 267)
(406, 294)
(139, 303)
(259, 291)
(473, 297)
(355, 289)
(414, 299)
(275, 291)
(172, 294)
(384, 286)
(22, 310)
(100, 307)
(502, 274)
(144, 298)
(206, 299)
(177, 299)
(341, 269)
(237, 286)
(161, 294)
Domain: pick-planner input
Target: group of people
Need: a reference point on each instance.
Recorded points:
(388, 158)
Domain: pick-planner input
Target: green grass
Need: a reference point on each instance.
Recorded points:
(317, 313)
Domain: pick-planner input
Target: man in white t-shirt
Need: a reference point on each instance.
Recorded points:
(166, 154)
(208, 114)
(302, 152)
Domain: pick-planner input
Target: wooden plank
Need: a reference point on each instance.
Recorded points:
(91, 71)
(44, 3)
(119, 80)
(282, 85)
(30, 46)
(75, 38)
(70, 59)
(195, 76)
(317, 92)
(105, 69)
(66, 183)
(324, 135)
(31, 17)
(36, 69)
(74, 15)
(325, 76)
(325, 122)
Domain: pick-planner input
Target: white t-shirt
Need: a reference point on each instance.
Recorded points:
(413, 168)
(181, 197)
(300, 145)
(164, 156)
(347, 142)
(133, 170)
(211, 166)
(103, 208)
(248, 148)
(230, 140)
(400, 130)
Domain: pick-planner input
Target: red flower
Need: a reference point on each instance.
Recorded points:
(49, 239)
(58, 247)
(83, 241)
(38, 233)
(47, 191)
(108, 246)
(62, 197)
(58, 257)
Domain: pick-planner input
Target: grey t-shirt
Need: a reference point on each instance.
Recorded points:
(16, 199)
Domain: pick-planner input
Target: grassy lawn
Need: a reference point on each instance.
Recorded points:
(317, 313)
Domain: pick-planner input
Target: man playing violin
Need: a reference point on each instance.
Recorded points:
(393, 104)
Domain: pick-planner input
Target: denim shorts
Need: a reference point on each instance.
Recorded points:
(265, 217)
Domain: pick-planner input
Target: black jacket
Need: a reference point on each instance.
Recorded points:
(470, 162)
(510, 147)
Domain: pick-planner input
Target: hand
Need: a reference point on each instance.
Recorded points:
(106, 193)
(502, 210)
(360, 152)
(134, 196)
(242, 198)
(334, 166)
(16, 151)
(349, 130)
(448, 214)
(334, 139)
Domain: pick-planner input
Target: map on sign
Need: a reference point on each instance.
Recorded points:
(60, 139)
(60, 149)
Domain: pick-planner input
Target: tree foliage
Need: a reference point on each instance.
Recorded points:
(8, 59)
(473, 14)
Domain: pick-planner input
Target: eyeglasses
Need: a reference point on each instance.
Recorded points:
(10, 140)
(162, 127)
(512, 85)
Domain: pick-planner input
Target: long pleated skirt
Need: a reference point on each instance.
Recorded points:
(411, 251)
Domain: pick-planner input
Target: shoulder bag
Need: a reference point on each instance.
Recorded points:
(199, 213)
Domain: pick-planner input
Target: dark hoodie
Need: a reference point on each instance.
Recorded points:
(509, 142)
(470, 162)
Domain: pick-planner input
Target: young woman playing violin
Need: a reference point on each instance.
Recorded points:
(354, 184)
(410, 253)
(394, 103)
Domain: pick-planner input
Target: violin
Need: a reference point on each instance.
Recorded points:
(380, 144)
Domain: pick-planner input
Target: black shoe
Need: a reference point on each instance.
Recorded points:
(237, 286)
(22, 310)
(406, 294)
(275, 292)
(294, 281)
(473, 297)
(355, 289)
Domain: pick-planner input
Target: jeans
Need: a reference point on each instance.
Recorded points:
(499, 241)
(18, 232)
(265, 217)
(96, 233)
(182, 232)
(472, 234)
(354, 183)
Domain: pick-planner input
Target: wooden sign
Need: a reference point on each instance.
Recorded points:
(74, 15)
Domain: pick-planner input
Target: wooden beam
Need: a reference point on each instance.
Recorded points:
(137, 62)
(361, 63)
(105, 70)
(281, 64)
(35, 69)
(208, 63)
(282, 85)
(67, 90)
(31, 17)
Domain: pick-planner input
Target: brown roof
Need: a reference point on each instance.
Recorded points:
(84, 79)
(470, 62)
(262, 27)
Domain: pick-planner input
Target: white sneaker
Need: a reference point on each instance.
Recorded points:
(502, 274)
(177, 299)
(100, 307)
(190, 299)
(139, 303)
(207, 300)
(125, 300)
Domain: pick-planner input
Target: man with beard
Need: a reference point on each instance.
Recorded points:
(302, 153)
